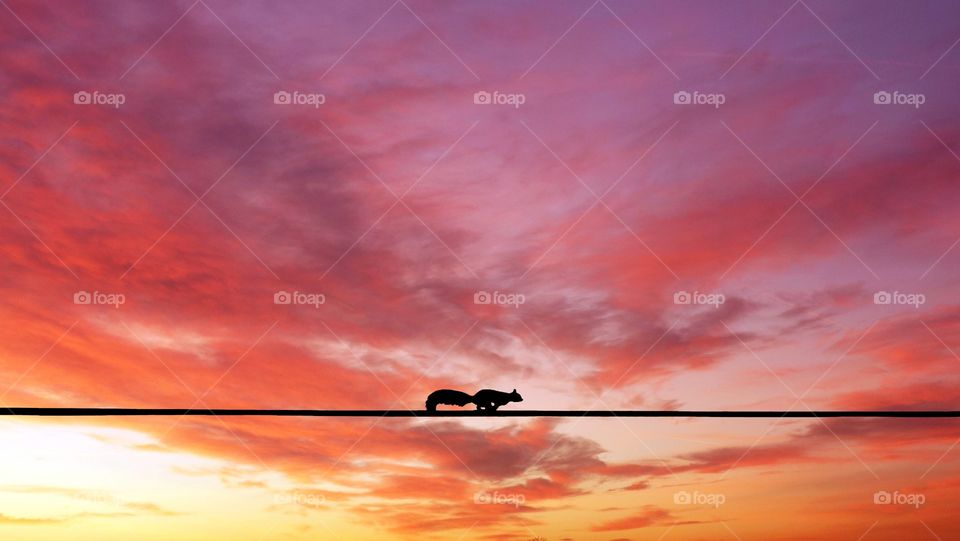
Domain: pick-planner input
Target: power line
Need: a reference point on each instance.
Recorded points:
(233, 412)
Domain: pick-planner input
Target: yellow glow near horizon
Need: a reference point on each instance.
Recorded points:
(89, 482)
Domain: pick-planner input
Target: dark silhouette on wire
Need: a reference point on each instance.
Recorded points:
(485, 399)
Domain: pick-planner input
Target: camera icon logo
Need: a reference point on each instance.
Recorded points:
(482, 97)
(482, 297)
(682, 97)
(82, 297)
(682, 498)
(882, 98)
(882, 297)
(882, 497)
(82, 98)
(282, 297)
(282, 97)
(482, 497)
(682, 297)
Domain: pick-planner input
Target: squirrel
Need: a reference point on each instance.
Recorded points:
(485, 399)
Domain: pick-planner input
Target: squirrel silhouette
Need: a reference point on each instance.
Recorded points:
(485, 399)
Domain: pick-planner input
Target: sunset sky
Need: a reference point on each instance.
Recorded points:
(733, 205)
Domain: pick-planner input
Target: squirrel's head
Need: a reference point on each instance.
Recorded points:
(515, 396)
